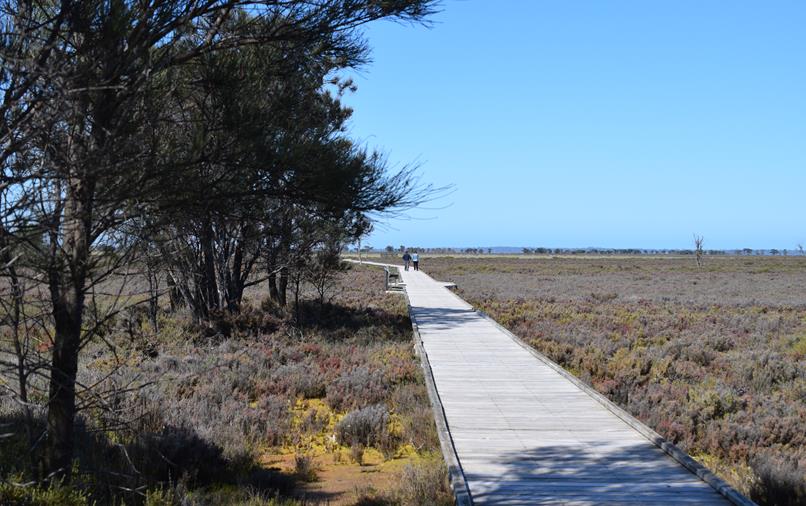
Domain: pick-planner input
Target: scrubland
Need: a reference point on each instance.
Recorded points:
(714, 359)
(252, 409)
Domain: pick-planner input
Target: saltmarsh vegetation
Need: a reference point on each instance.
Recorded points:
(713, 358)
(159, 160)
(191, 415)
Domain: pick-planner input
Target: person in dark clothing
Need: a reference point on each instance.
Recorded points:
(406, 260)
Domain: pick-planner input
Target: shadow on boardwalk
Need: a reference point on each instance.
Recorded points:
(588, 473)
(442, 318)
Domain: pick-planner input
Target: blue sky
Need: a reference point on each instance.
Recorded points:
(595, 123)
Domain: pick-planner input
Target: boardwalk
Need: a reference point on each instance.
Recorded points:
(525, 433)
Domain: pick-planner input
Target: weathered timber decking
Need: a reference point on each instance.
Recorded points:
(525, 432)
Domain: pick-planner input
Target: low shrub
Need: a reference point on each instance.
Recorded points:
(781, 480)
(425, 483)
(305, 468)
(420, 483)
(410, 402)
(357, 388)
(365, 427)
(179, 452)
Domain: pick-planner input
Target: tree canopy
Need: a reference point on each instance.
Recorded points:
(204, 139)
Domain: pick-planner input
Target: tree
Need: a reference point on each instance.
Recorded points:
(698, 251)
(24, 360)
(84, 145)
(326, 265)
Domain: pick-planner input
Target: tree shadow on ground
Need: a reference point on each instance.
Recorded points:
(121, 466)
(444, 318)
(342, 321)
(585, 473)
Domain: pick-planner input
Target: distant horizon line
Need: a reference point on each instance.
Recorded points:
(588, 249)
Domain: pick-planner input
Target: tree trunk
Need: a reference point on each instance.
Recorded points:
(153, 297)
(271, 264)
(209, 285)
(67, 314)
(236, 278)
(274, 295)
(271, 267)
(174, 294)
(67, 290)
(296, 300)
(282, 288)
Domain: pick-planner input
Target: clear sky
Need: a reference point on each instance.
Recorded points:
(595, 123)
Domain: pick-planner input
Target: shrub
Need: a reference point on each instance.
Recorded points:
(357, 388)
(314, 421)
(411, 403)
(781, 480)
(299, 380)
(365, 427)
(425, 483)
(305, 468)
(179, 452)
(357, 454)
(276, 418)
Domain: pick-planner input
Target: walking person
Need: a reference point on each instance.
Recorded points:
(415, 259)
(406, 260)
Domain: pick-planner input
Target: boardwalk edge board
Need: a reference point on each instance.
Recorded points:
(456, 475)
(669, 448)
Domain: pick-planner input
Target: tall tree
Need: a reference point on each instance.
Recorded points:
(82, 87)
